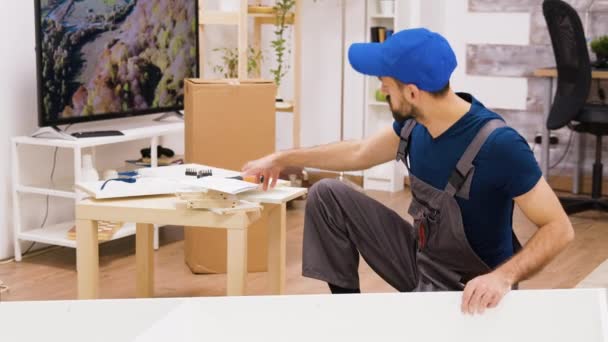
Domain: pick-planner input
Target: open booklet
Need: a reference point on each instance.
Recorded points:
(227, 185)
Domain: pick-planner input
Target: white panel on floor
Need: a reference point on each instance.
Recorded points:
(554, 316)
(540, 315)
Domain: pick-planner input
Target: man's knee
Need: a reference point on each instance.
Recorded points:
(321, 198)
(324, 188)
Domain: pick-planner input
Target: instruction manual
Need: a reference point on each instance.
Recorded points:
(220, 184)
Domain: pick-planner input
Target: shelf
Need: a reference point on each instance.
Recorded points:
(59, 189)
(58, 234)
(378, 103)
(286, 109)
(152, 129)
(218, 18)
(260, 10)
(262, 14)
(382, 16)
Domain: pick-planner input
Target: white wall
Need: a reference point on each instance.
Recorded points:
(17, 91)
(462, 27)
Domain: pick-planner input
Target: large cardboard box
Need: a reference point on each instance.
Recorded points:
(228, 123)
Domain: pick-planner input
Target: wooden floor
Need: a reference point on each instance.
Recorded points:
(52, 276)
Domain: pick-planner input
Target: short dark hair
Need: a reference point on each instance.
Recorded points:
(441, 92)
(436, 94)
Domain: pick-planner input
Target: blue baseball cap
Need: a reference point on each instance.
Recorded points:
(413, 56)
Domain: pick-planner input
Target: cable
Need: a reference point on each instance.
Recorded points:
(600, 92)
(3, 288)
(46, 213)
(565, 151)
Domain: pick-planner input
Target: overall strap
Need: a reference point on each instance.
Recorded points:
(404, 144)
(465, 164)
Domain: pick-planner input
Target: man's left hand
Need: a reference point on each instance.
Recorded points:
(484, 292)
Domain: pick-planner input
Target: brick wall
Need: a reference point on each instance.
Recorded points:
(521, 60)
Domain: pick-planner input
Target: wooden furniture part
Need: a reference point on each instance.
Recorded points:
(57, 234)
(261, 15)
(169, 210)
(551, 75)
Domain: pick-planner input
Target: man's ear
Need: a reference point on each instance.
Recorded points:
(411, 93)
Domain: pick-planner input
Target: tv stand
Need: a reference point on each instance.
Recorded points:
(166, 115)
(63, 185)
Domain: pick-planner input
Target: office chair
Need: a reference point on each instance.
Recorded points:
(570, 106)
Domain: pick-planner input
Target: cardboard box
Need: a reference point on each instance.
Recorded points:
(228, 123)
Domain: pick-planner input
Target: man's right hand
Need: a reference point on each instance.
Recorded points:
(267, 167)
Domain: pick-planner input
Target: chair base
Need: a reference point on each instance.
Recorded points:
(574, 205)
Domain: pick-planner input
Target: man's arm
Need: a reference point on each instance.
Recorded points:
(341, 156)
(543, 208)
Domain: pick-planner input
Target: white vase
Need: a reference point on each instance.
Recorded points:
(230, 5)
(387, 7)
(88, 173)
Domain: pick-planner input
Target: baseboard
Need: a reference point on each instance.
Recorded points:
(564, 184)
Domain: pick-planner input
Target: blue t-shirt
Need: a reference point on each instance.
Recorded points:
(504, 169)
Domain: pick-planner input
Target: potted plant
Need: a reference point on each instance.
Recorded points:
(282, 9)
(600, 47)
(229, 68)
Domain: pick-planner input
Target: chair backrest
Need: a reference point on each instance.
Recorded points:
(572, 62)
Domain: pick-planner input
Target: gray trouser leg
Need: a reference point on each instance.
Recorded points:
(340, 223)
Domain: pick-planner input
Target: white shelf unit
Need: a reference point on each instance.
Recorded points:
(388, 176)
(56, 234)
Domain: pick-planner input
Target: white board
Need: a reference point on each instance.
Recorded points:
(524, 315)
(556, 315)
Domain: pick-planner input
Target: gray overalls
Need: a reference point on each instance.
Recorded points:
(432, 255)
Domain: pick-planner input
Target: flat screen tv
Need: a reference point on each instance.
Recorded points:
(104, 59)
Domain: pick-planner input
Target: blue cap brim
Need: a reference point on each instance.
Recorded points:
(367, 59)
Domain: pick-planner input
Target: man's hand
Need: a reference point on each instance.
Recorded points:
(267, 167)
(484, 292)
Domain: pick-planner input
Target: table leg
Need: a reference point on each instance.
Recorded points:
(237, 262)
(276, 247)
(87, 259)
(144, 255)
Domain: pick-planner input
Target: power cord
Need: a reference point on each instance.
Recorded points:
(3, 288)
(46, 213)
(570, 139)
(600, 92)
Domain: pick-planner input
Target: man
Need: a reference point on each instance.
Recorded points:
(467, 171)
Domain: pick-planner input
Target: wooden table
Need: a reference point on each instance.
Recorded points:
(551, 74)
(169, 210)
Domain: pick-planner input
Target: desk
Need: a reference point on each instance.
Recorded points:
(169, 210)
(551, 74)
(523, 315)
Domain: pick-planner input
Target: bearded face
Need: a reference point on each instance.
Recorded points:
(402, 110)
